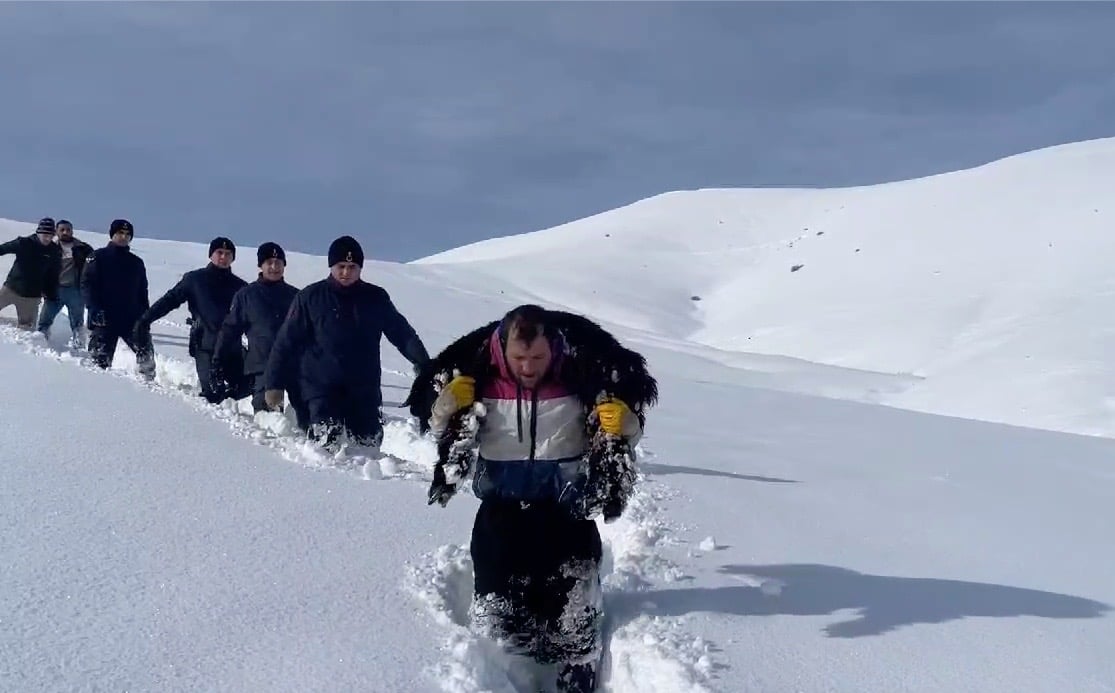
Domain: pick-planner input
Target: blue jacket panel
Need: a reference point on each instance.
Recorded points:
(331, 338)
(560, 481)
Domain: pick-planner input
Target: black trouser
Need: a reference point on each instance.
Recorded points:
(102, 347)
(294, 393)
(537, 580)
(345, 411)
(232, 370)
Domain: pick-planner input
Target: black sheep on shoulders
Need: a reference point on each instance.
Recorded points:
(596, 366)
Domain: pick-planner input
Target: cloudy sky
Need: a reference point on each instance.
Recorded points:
(422, 126)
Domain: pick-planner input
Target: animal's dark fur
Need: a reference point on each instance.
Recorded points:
(597, 363)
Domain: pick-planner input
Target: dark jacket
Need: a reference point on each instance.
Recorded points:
(114, 285)
(331, 338)
(82, 251)
(35, 271)
(208, 293)
(257, 310)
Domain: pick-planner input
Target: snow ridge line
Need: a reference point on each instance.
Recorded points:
(644, 653)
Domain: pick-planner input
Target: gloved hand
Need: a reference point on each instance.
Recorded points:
(440, 490)
(611, 415)
(273, 399)
(218, 383)
(141, 332)
(463, 390)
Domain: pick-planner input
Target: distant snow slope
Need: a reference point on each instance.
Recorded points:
(988, 292)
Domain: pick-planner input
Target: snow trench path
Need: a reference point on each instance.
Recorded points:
(643, 653)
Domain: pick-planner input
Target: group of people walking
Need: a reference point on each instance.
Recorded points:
(543, 399)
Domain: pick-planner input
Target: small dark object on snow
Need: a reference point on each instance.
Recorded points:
(795, 268)
(857, 250)
(694, 297)
(820, 233)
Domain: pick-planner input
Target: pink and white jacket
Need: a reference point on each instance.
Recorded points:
(531, 441)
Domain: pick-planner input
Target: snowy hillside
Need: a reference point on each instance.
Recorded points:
(999, 275)
(780, 541)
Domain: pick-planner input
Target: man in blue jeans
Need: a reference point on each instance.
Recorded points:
(74, 255)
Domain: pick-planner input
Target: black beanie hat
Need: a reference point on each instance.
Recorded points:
(222, 243)
(64, 222)
(267, 251)
(121, 225)
(346, 249)
(45, 224)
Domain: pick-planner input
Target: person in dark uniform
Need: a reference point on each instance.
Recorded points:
(208, 293)
(329, 346)
(34, 274)
(114, 286)
(258, 310)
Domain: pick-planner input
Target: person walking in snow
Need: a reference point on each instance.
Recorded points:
(329, 348)
(34, 274)
(208, 293)
(551, 447)
(258, 310)
(75, 253)
(114, 286)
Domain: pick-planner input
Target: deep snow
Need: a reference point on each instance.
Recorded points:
(790, 534)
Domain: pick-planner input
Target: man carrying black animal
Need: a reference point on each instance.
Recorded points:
(258, 310)
(329, 346)
(114, 286)
(208, 293)
(34, 274)
(551, 447)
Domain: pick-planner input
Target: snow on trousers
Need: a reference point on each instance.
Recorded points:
(102, 348)
(537, 580)
(344, 411)
(69, 297)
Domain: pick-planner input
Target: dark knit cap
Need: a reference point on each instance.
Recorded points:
(222, 243)
(121, 225)
(267, 251)
(46, 224)
(346, 249)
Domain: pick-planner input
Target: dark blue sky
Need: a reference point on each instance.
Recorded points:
(422, 126)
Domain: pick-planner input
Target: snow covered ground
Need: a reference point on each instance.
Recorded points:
(790, 534)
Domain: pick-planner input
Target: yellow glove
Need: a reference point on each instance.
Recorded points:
(463, 390)
(611, 415)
